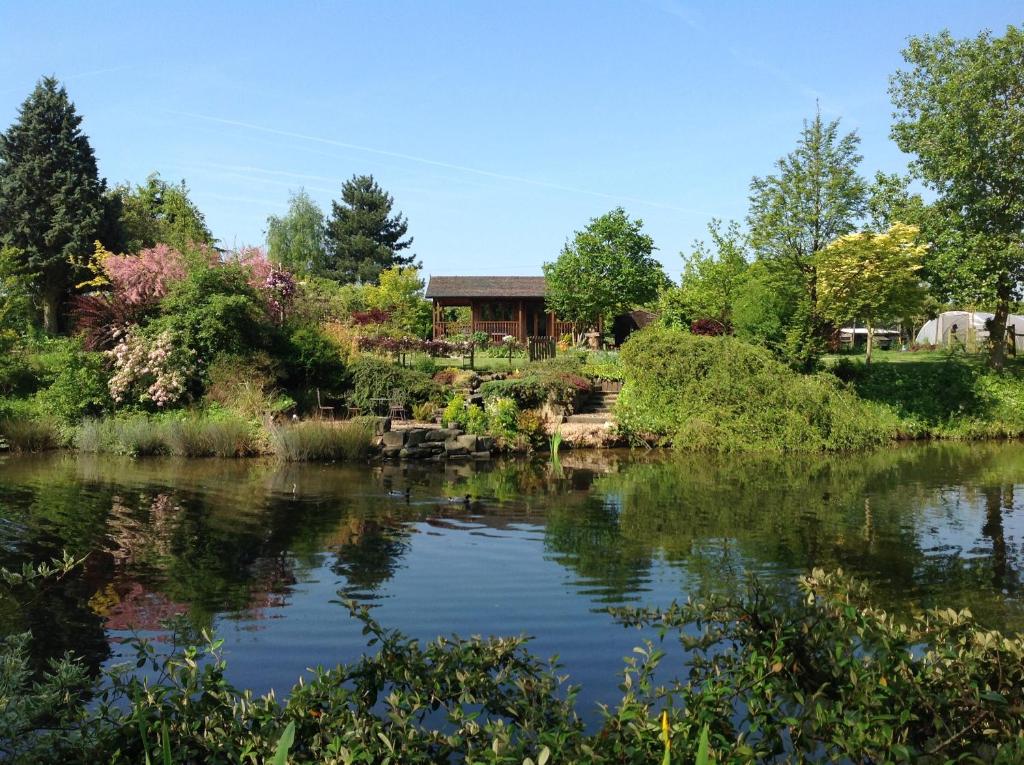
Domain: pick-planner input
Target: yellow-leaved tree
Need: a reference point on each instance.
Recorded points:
(871, 276)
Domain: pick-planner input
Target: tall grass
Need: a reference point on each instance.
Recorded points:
(318, 441)
(30, 434)
(192, 436)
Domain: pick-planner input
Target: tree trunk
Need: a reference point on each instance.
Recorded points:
(871, 334)
(51, 312)
(997, 331)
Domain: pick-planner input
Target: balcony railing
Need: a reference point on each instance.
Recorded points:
(497, 329)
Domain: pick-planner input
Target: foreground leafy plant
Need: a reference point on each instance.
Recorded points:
(814, 674)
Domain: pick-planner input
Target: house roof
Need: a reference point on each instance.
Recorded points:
(486, 287)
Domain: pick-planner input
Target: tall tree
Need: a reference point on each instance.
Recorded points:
(363, 236)
(606, 269)
(50, 195)
(959, 110)
(872, 276)
(157, 212)
(712, 277)
(815, 197)
(297, 240)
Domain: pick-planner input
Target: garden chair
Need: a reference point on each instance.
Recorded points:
(396, 405)
(322, 410)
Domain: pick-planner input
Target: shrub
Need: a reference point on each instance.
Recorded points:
(153, 370)
(313, 360)
(213, 311)
(502, 418)
(476, 420)
(456, 412)
(78, 390)
(318, 441)
(720, 393)
(375, 378)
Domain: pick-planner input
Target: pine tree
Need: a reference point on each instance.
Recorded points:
(363, 237)
(50, 195)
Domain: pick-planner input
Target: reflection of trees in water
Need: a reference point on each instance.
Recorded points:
(230, 536)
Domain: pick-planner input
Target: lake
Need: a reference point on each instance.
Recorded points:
(263, 554)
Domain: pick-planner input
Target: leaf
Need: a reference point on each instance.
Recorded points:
(703, 748)
(165, 743)
(284, 744)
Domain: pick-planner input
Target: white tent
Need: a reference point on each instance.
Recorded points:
(965, 327)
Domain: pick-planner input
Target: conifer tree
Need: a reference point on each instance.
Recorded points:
(363, 237)
(50, 195)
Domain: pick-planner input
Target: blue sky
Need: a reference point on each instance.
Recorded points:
(500, 128)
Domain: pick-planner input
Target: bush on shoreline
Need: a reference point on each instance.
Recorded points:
(721, 394)
(812, 675)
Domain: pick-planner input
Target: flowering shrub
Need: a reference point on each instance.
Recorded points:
(149, 370)
(144, 278)
(275, 285)
(136, 283)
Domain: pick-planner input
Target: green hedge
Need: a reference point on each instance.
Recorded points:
(719, 393)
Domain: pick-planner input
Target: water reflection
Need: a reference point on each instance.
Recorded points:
(258, 551)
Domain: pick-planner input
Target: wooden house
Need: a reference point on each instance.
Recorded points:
(498, 305)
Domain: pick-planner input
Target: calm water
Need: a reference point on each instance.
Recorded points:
(260, 552)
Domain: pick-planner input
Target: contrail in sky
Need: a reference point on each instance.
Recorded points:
(434, 162)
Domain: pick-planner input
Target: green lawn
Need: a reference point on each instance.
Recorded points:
(903, 357)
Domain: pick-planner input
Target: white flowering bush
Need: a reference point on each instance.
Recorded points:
(149, 370)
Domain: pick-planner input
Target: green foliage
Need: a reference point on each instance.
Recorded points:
(50, 195)
(156, 212)
(363, 236)
(314, 361)
(723, 394)
(815, 674)
(871, 276)
(955, 398)
(400, 294)
(815, 197)
(17, 309)
(297, 241)
(214, 311)
(181, 434)
(556, 381)
(456, 412)
(606, 269)
(603, 365)
(77, 385)
(502, 418)
(711, 280)
(373, 378)
(319, 300)
(957, 111)
(320, 441)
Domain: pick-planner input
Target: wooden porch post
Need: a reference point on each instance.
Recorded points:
(474, 315)
(521, 324)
